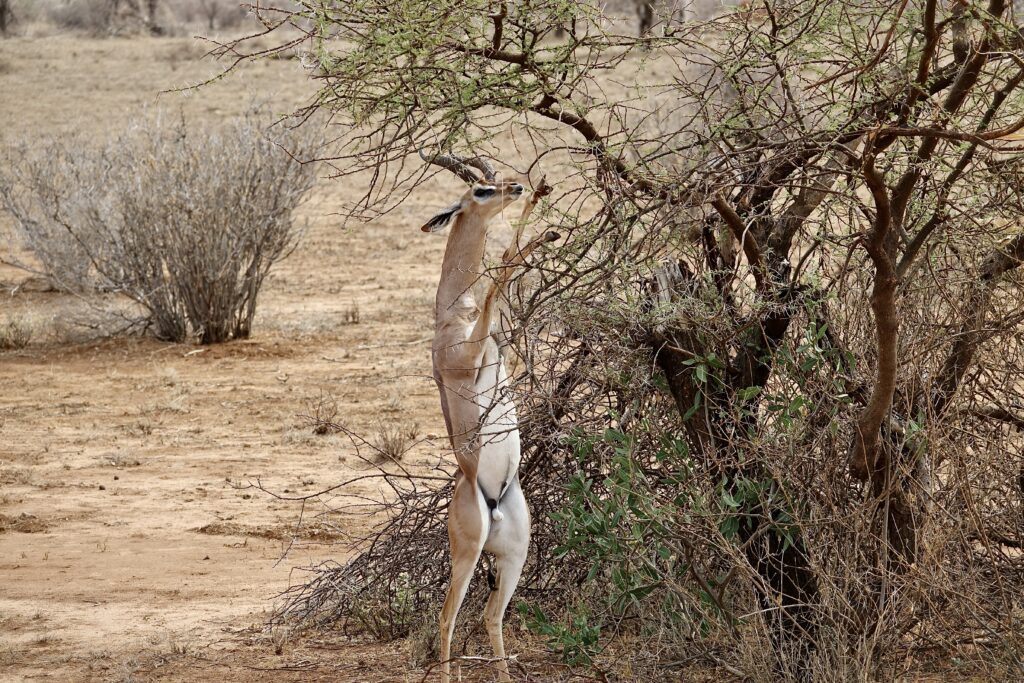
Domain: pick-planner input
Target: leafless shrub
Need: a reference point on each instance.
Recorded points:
(213, 14)
(350, 315)
(90, 16)
(21, 12)
(322, 412)
(109, 17)
(184, 222)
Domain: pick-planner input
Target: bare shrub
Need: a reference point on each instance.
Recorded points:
(184, 222)
(350, 315)
(21, 12)
(322, 412)
(90, 16)
(109, 17)
(214, 14)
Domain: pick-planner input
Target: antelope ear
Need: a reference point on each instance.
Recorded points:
(442, 217)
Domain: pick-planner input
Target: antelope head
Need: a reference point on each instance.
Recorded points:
(486, 196)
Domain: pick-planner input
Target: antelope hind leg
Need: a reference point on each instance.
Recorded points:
(509, 540)
(467, 525)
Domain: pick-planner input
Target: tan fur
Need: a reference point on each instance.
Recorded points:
(462, 338)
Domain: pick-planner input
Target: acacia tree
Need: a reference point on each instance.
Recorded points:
(773, 374)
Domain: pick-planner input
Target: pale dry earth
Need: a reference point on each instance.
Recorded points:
(130, 545)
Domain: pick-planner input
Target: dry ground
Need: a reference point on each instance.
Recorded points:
(130, 548)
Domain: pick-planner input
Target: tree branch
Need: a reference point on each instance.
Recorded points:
(863, 458)
(969, 335)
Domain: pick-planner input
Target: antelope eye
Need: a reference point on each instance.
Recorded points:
(482, 192)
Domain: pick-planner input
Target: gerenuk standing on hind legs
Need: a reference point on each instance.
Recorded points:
(488, 510)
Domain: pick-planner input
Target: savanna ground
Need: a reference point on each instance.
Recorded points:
(131, 546)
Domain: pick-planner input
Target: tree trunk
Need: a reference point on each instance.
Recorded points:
(645, 9)
(152, 8)
(787, 587)
(5, 16)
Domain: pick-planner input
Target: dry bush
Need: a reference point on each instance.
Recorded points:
(212, 14)
(322, 412)
(26, 11)
(350, 315)
(95, 17)
(185, 222)
(110, 17)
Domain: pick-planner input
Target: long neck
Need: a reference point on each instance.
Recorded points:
(463, 259)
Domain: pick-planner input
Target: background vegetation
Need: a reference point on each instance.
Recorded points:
(184, 222)
(120, 17)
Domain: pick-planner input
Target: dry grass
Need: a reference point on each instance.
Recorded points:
(16, 333)
(23, 523)
(393, 440)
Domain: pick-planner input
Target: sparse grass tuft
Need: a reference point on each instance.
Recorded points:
(350, 316)
(323, 413)
(15, 333)
(280, 636)
(423, 639)
(393, 440)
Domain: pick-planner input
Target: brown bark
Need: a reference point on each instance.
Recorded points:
(969, 335)
(786, 586)
(746, 238)
(880, 245)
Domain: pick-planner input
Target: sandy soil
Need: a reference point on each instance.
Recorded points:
(130, 545)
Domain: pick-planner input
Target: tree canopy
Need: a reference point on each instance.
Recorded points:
(773, 378)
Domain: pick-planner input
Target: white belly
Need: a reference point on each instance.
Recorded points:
(499, 426)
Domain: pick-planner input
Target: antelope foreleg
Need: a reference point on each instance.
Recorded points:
(482, 328)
